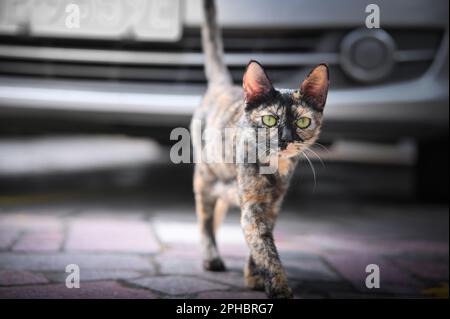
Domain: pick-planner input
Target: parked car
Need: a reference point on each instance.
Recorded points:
(136, 67)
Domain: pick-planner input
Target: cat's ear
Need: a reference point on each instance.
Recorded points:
(315, 87)
(256, 83)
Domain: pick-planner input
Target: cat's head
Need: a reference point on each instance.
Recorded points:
(296, 114)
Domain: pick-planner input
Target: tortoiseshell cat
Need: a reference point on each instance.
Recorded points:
(297, 117)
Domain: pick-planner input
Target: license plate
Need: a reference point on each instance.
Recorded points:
(151, 20)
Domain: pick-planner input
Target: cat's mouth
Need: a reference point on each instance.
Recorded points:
(291, 150)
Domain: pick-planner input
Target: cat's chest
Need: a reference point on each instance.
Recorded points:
(285, 167)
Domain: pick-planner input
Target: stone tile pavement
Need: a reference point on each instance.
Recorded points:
(153, 252)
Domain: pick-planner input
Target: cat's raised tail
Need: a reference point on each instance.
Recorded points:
(216, 70)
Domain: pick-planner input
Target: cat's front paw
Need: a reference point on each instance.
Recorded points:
(280, 293)
(215, 264)
(254, 282)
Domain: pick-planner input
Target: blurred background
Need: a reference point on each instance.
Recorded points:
(86, 110)
(103, 93)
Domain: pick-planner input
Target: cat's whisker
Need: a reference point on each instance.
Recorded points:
(312, 169)
(317, 155)
(322, 146)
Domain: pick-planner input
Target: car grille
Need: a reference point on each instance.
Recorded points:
(287, 55)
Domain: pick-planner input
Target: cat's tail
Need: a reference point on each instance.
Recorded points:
(215, 68)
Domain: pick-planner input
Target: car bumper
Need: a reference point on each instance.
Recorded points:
(413, 109)
(417, 109)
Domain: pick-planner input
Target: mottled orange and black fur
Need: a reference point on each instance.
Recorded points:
(218, 186)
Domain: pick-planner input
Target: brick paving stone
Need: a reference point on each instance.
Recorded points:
(234, 250)
(182, 250)
(60, 210)
(307, 266)
(233, 278)
(170, 232)
(111, 236)
(411, 246)
(95, 275)
(310, 270)
(298, 244)
(193, 250)
(349, 295)
(113, 213)
(319, 244)
(351, 243)
(31, 222)
(232, 295)
(332, 243)
(429, 270)
(392, 279)
(322, 289)
(17, 277)
(58, 262)
(292, 256)
(93, 290)
(40, 241)
(177, 285)
(177, 232)
(235, 263)
(171, 263)
(396, 290)
(174, 265)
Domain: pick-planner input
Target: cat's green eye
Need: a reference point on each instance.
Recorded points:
(303, 122)
(269, 120)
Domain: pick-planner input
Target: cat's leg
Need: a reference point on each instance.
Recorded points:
(259, 237)
(205, 213)
(220, 211)
(253, 276)
(259, 197)
(205, 206)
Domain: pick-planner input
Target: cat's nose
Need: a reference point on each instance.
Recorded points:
(283, 145)
(286, 135)
(285, 138)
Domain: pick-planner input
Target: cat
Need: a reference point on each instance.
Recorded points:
(295, 115)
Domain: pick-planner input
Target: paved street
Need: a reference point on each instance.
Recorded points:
(131, 229)
(144, 251)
